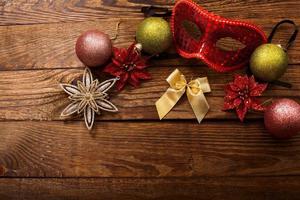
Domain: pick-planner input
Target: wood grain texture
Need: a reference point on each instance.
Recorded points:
(52, 45)
(275, 188)
(36, 95)
(144, 149)
(36, 12)
(130, 154)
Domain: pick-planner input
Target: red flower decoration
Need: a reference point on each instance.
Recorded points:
(241, 93)
(128, 65)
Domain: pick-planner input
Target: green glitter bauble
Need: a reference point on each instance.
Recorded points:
(154, 34)
(268, 62)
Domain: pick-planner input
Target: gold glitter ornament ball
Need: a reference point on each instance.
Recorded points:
(154, 34)
(268, 62)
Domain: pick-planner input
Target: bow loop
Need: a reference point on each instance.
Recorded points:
(195, 90)
(181, 84)
(176, 80)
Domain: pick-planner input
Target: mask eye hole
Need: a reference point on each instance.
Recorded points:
(229, 44)
(192, 29)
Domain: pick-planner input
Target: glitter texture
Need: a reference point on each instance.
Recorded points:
(282, 118)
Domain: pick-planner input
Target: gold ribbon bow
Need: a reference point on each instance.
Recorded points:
(195, 90)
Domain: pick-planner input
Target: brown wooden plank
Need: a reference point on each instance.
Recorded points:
(144, 149)
(194, 161)
(52, 45)
(36, 95)
(274, 188)
(34, 11)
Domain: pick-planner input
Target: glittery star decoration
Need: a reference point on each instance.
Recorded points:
(88, 97)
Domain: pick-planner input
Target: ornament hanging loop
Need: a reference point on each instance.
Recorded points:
(293, 36)
(153, 11)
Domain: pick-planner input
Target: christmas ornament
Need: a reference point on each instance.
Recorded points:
(268, 62)
(154, 34)
(241, 95)
(128, 65)
(213, 28)
(93, 48)
(195, 90)
(88, 97)
(282, 118)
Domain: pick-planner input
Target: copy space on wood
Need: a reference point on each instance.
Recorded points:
(144, 149)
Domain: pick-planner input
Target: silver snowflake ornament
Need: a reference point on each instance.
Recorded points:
(88, 97)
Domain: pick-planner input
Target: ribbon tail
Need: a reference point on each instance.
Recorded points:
(199, 104)
(167, 101)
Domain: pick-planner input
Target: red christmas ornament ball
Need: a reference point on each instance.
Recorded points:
(93, 48)
(282, 118)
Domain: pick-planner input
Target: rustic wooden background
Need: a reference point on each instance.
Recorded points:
(131, 154)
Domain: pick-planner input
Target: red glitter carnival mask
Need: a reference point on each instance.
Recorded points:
(213, 28)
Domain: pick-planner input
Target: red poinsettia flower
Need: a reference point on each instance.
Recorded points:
(241, 95)
(128, 65)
